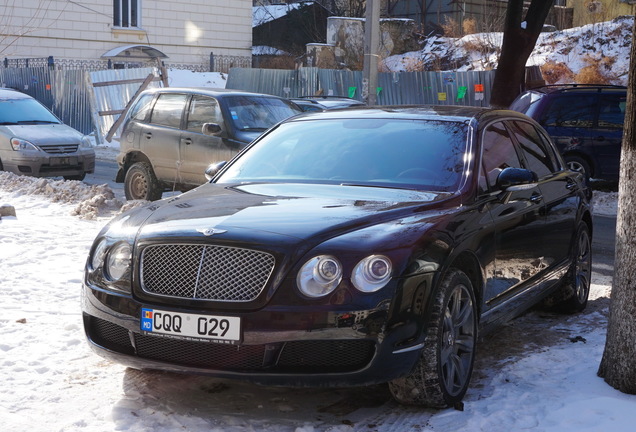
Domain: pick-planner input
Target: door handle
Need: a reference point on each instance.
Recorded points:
(571, 184)
(536, 198)
(187, 141)
(148, 135)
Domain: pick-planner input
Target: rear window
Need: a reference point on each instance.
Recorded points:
(611, 113)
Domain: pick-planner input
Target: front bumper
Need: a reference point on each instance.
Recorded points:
(278, 347)
(46, 165)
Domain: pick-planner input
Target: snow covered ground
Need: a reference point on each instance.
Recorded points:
(538, 373)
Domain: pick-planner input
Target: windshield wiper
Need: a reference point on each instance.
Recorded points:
(413, 188)
(254, 129)
(36, 121)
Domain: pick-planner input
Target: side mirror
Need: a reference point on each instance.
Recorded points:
(211, 129)
(512, 179)
(213, 169)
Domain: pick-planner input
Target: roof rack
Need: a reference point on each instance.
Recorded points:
(567, 87)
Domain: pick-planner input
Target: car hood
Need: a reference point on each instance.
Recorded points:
(44, 134)
(288, 213)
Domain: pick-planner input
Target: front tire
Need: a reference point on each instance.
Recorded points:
(78, 177)
(442, 374)
(141, 183)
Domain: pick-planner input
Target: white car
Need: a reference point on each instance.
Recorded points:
(34, 142)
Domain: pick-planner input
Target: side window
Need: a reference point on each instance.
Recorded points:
(203, 110)
(611, 113)
(536, 156)
(140, 111)
(570, 111)
(168, 109)
(498, 153)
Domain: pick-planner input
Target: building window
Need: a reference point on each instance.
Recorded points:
(126, 13)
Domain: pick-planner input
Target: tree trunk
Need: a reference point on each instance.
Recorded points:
(618, 365)
(519, 39)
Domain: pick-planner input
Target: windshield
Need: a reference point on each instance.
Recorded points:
(24, 111)
(258, 113)
(414, 154)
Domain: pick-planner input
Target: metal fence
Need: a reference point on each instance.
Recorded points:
(65, 86)
(68, 92)
(399, 88)
(112, 90)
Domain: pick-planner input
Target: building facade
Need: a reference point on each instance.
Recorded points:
(179, 32)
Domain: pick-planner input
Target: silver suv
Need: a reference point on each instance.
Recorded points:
(34, 142)
(171, 135)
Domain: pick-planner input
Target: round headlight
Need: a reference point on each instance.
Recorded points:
(372, 273)
(98, 255)
(319, 276)
(118, 261)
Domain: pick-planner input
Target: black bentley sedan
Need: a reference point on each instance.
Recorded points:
(347, 248)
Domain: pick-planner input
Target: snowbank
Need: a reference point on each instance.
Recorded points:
(604, 45)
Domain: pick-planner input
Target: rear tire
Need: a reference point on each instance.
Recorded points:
(580, 165)
(442, 374)
(141, 183)
(575, 288)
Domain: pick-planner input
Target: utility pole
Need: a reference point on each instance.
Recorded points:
(371, 43)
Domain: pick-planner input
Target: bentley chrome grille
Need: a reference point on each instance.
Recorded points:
(205, 272)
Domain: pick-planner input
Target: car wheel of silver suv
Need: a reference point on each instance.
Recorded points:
(141, 183)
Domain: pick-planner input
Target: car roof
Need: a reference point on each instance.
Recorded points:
(579, 88)
(330, 101)
(208, 91)
(414, 112)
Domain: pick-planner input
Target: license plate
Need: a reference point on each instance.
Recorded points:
(61, 161)
(191, 326)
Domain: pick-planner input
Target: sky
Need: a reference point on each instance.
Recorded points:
(537, 373)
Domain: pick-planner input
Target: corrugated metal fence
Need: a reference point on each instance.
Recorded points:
(69, 94)
(112, 90)
(401, 88)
